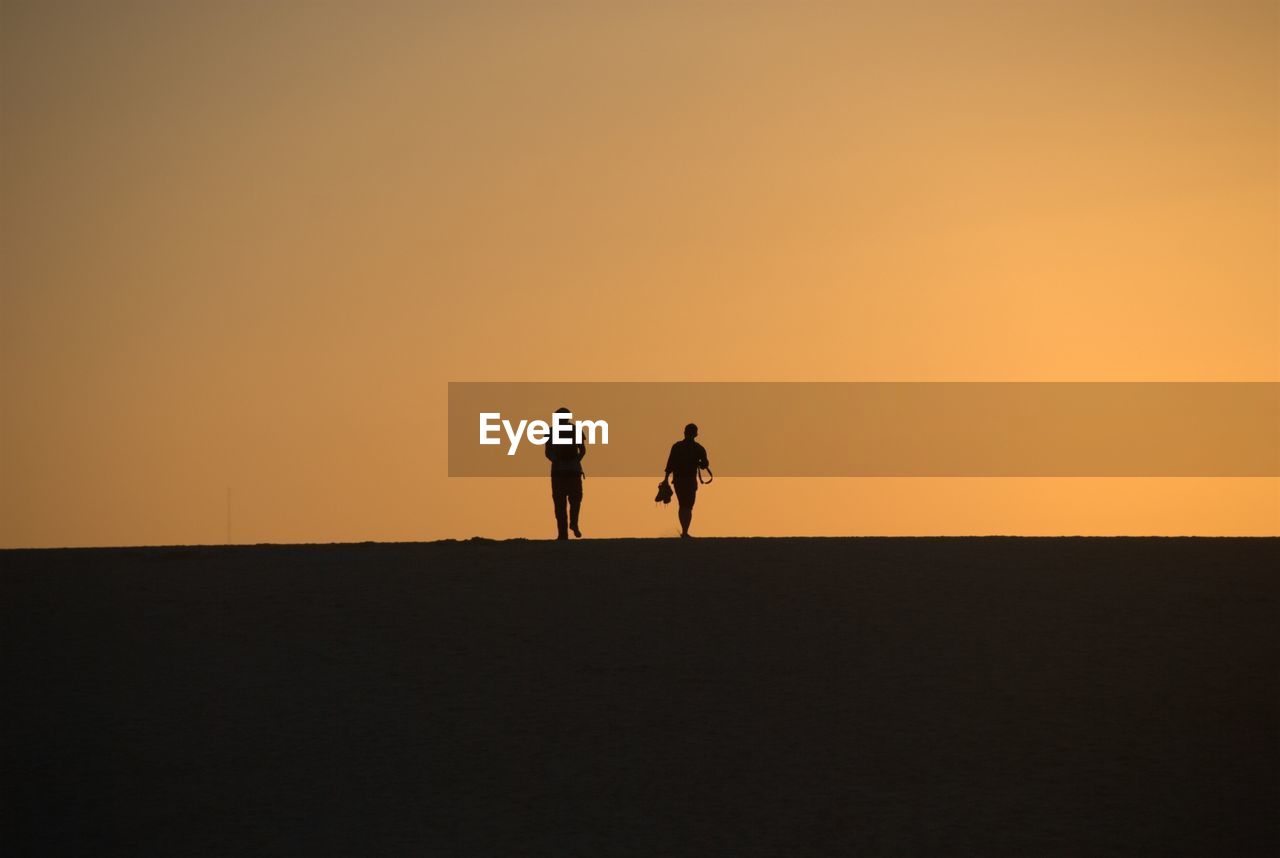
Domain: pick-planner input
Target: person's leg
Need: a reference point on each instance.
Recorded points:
(686, 496)
(560, 498)
(575, 503)
(686, 519)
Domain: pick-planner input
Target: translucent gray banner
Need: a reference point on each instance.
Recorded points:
(881, 429)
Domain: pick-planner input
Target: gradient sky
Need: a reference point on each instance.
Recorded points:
(247, 245)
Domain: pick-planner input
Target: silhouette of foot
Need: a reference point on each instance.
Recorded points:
(686, 535)
(562, 536)
(576, 532)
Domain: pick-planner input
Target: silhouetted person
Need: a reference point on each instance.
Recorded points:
(566, 482)
(686, 460)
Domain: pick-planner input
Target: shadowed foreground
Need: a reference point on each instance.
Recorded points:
(736, 697)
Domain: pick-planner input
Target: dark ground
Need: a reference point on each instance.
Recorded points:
(773, 697)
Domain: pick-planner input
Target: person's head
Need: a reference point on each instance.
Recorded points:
(691, 431)
(563, 410)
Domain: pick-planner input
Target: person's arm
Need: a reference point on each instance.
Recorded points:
(582, 452)
(666, 476)
(705, 463)
(546, 450)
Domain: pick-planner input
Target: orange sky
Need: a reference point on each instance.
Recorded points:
(248, 245)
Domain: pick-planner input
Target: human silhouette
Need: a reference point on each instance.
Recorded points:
(685, 464)
(566, 482)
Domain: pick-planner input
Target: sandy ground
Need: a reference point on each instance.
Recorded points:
(776, 697)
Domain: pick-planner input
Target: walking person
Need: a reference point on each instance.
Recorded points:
(566, 483)
(684, 465)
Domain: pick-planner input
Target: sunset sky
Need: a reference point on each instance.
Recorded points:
(245, 246)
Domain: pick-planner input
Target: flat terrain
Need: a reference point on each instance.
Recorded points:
(739, 697)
